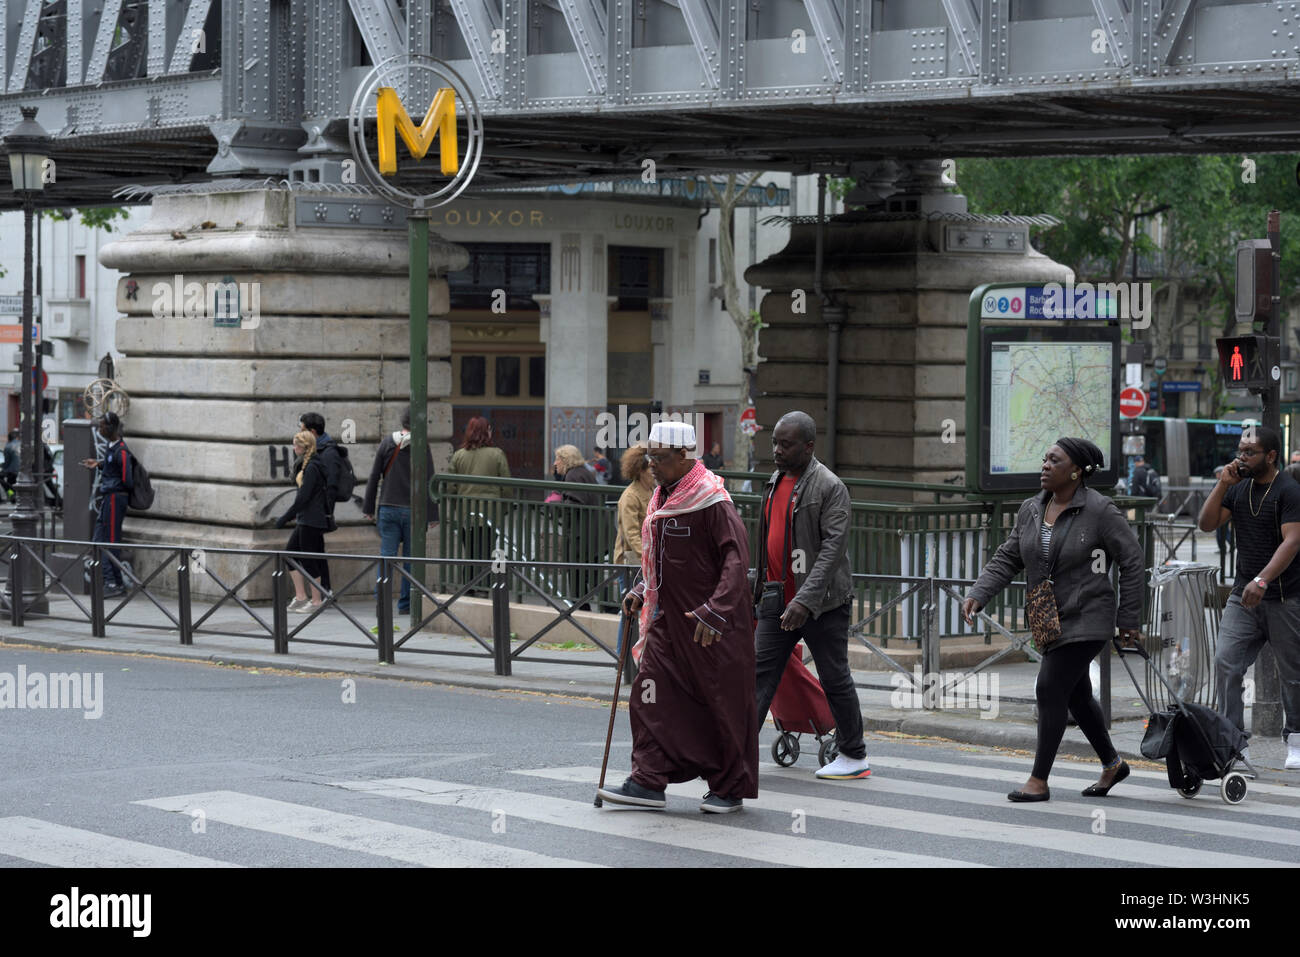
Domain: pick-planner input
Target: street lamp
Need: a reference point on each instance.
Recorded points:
(27, 145)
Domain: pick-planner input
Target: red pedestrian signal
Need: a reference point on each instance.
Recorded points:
(1243, 362)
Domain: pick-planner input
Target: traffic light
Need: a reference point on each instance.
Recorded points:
(1243, 362)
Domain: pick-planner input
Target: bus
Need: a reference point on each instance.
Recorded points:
(1187, 451)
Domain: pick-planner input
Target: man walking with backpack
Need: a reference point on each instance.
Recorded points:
(392, 468)
(341, 480)
(116, 479)
(1146, 480)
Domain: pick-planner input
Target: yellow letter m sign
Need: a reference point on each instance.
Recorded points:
(441, 119)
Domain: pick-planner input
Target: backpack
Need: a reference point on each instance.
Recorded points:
(141, 494)
(340, 477)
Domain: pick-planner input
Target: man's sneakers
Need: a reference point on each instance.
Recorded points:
(845, 768)
(633, 795)
(1293, 752)
(717, 804)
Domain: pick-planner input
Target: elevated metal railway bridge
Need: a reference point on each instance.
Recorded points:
(175, 91)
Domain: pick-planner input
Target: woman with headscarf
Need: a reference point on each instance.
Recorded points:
(312, 511)
(1060, 538)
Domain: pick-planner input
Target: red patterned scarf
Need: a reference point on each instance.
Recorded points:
(697, 489)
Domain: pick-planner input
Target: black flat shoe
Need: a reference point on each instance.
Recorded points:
(1022, 797)
(1096, 790)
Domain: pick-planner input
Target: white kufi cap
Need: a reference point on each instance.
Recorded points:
(672, 435)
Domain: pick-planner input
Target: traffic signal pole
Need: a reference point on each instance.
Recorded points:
(1266, 718)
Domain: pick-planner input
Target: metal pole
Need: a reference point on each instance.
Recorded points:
(26, 514)
(1266, 713)
(419, 322)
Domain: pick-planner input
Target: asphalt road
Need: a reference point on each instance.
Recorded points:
(197, 764)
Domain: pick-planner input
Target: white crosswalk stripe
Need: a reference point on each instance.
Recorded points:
(691, 833)
(1173, 816)
(57, 845)
(1066, 785)
(410, 845)
(935, 809)
(1082, 841)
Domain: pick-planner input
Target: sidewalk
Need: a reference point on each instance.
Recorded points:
(587, 672)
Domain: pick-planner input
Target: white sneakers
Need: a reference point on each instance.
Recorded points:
(845, 768)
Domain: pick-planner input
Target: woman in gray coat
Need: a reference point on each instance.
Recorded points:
(1076, 533)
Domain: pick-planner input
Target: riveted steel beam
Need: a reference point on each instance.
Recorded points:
(703, 28)
(157, 61)
(829, 28)
(479, 22)
(1170, 33)
(857, 28)
(191, 36)
(26, 40)
(731, 41)
(108, 18)
(1114, 23)
(964, 22)
(383, 29)
(995, 28)
(619, 36)
(74, 42)
(514, 76)
(586, 22)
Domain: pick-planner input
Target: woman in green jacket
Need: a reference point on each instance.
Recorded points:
(477, 456)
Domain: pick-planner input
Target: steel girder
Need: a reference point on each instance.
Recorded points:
(586, 88)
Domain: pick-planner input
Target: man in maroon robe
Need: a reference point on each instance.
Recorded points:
(692, 703)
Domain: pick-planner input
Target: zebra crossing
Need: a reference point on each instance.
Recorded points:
(920, 808)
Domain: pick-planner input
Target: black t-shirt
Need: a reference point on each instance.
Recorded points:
(1258, 536)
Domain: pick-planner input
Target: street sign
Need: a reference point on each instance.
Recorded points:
(749, 421)
(1160, 364)
(13, 306)
(12, 332)
(1132, 402)
(1173, 386)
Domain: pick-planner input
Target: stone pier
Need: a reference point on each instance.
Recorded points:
(903, 268)
(216, 393)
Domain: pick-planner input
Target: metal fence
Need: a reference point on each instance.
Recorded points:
(886, 540)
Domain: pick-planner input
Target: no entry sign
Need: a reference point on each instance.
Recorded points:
(1132, 402)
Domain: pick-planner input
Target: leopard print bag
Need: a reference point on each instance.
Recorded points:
(1041, 611)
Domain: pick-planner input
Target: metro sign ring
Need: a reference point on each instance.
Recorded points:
(453, 118)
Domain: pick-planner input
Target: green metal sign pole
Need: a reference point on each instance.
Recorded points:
(419, 318)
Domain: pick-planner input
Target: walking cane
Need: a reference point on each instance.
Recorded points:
(613, 705)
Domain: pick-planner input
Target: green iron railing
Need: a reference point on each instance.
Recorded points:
(945, 540)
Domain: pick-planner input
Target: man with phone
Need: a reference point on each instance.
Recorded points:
(1263, 504)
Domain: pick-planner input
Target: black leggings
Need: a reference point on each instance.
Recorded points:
(1063, 684)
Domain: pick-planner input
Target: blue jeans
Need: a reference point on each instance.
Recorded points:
(394, 523)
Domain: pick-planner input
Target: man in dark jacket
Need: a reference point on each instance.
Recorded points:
(804, 589)
(392, 469)
(13, 461)
(115, 484)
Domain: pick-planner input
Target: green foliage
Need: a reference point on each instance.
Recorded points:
(1098, 199)
(95, 217)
